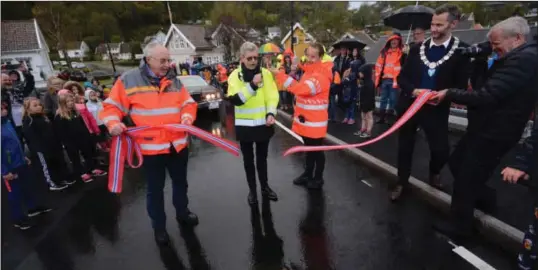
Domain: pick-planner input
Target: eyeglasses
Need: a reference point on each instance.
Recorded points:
(255, 58)
(163, 61)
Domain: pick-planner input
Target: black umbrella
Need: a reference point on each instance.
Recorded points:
(349, 43)
(410, 17)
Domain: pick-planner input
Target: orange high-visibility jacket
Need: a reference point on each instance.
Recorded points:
(150, 104)
(312, 93)
(389, 63)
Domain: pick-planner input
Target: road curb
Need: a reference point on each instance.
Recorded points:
(489, 226)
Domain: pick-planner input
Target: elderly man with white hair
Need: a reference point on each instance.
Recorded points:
(152, 95)
(253, 92)
(497, 113)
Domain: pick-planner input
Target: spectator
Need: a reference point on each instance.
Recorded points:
(76, 138)
(95, 106)
(45, 148)
(367, 100)
(50, 100)
(16, 177)
(13, 95)
(387, 68)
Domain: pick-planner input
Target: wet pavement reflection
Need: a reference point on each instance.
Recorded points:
(348, 225)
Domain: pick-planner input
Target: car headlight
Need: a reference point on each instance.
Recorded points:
(212, 96)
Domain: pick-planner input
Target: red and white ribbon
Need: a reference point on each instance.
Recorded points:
(422, 99)
(124, 144)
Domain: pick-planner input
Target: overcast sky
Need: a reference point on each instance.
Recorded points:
(356, 4)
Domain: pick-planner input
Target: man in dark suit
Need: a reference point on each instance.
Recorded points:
(434, 64)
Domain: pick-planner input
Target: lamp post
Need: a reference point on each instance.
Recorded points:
(107, 39)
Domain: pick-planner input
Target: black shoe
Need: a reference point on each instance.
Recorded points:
(456, 233)
(189, 220)
(435, 181)
(161, 237)
(396, 193)
(268, 193)
(252, 198)
(315, 183)
(23, 225)
(38, 211)
(301, 180)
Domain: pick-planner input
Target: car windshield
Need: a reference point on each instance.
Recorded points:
(192, 81)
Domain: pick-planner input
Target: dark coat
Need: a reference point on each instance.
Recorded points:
(73, 132)
(500, 109)
(527, 152)
(40, 136)
(411, 75)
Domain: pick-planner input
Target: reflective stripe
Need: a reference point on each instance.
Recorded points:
(250, 90)
(288, 82)
(249, 110)
(397, 68)
(188, 101)
(110, 118)
(312, 107)
(141, 89)
(312, 87)
(153, 112)
(271, 110)
(250, 122)
(161, 146)
(117, 105)
(242, 97)
(311, 124)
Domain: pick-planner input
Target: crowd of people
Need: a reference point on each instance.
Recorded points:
(35, 133)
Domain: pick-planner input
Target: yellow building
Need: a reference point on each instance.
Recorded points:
(301, 39)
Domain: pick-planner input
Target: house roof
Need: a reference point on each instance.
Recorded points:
(196, 35)
(288, 35)
(101, 49)
(20, 36)
(470, 36)
(75, 45)
(274, 29)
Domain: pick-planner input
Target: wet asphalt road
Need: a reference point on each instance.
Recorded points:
(348, 225)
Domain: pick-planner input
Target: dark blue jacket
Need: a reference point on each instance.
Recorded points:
(527, 152)
(12, 153)
(351, 82)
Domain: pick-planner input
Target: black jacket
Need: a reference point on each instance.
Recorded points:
(453, 73)
(39, 133)
(527, 152)
(500, 109)
(73, 132)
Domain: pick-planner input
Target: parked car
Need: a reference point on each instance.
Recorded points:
(78, 65)
(100, 74)
(78, 76)
(207, 96)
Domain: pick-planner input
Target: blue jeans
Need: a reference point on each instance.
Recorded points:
(155, 167)
(350, 111)
(21, 195)
(332, 107)
(388, 95)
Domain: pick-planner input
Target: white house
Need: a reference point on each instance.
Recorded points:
(187, 43)
(160, 37)
(23, 41)
(119, 51)
(77, 49)
(273, 32)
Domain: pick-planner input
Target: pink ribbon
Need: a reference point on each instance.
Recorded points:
(422, 99)
(124, 144)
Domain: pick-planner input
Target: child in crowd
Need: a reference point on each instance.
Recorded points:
(95, 106)
(45, 147)
(15, 176)
(76, 138)
(50, 101)
(367, 100)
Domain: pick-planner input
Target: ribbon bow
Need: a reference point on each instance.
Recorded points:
(124, 144)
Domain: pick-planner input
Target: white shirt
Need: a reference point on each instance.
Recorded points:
(445, 44)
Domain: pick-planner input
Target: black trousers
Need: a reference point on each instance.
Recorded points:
(434, 121)
(262, 149)
(315, 161)
(472, 163)
(88, 153)
(52, 167)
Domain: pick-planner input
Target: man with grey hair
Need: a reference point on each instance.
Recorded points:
(253, 92)
(151, 95)
(497, 112)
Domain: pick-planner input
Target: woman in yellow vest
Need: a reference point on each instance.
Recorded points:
(253, 92)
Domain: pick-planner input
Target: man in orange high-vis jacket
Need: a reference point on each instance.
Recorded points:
(311, 117)
(152, 95)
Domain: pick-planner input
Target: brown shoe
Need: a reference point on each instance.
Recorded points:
(435, 181)
(396, 193)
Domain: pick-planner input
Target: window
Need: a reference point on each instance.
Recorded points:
(294, 40)
(207, 59)
(307, 39)
(182, 44)
(215, 59)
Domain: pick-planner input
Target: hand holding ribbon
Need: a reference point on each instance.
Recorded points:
(124, 144)
(423, 98)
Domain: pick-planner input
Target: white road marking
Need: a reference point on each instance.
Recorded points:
(366, 183)
(471, 258)
(289, 131)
